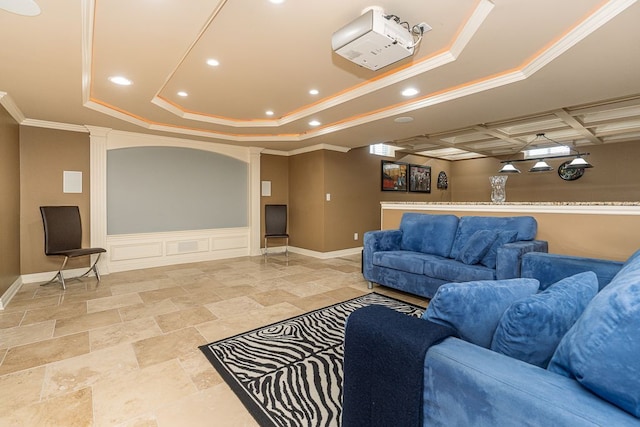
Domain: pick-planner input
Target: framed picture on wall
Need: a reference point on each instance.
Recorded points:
(419, 179)
(394, 176)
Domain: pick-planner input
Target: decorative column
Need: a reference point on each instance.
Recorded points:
(98, 196)
(254, 202)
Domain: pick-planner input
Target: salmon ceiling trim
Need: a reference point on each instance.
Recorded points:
(447, 55)
(603, 14)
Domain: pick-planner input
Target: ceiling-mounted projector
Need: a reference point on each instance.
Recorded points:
(373, 41)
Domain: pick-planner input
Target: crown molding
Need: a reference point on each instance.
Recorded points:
(54, 125)
(297, 151)
(12, 108)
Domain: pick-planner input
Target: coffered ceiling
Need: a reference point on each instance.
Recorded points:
(490, 75)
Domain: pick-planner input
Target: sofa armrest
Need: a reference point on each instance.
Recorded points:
(510, 256)
(382, 240)
(549, 268)
(374, 241)
(383, 366)
(467, 385)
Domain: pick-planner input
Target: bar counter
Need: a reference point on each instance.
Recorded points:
(609, 230)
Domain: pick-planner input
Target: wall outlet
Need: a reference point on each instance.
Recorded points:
(355, 236)
(328, 196)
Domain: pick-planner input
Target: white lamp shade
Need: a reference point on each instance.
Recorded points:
(541, 166)
(578, 163)
(509, 168)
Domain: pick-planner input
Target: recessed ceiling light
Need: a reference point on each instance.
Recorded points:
(403, 119)
(269, 113)
(183, 93)
(314, 123)
(410, 92)
(314, 91)
(213, 62)
(276, 1)
(21, 7)
(119, 80)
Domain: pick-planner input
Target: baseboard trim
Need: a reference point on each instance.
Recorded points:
(325, 255)
(10, 293)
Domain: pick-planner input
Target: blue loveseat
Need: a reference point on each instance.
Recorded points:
(572, 354)
(430, 250)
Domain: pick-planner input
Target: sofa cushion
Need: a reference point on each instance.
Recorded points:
(455, 271)
(477, 246)
(526, 226)
(531, 328)
(430, 234)
(503, 237)
(601, 349)
(411, 262)
(474, 308)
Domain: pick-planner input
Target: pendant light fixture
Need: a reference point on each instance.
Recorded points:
(541, 165)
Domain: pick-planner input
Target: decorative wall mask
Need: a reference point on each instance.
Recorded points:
(442, 181)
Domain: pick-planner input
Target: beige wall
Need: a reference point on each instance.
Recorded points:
(306, 201)
(353, 181)
(10, 200)
(301, 181)
(44, 155)
(349, 179)
(276, 170)
(615, 177)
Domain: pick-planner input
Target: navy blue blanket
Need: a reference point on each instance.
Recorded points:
(384, 367)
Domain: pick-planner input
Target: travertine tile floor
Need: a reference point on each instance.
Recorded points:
(124, 352)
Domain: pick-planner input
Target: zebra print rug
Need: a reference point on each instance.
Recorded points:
(290, 373)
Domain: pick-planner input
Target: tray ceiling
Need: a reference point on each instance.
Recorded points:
(490, 75)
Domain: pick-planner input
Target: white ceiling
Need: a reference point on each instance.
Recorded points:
(491, 74)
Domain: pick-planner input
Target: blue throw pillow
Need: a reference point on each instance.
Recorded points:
(531, 328)
(474, 309)
(504, 237)
(602, 349)
(477, 246)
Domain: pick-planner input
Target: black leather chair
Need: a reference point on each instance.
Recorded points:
(63, 237)
(275, 226)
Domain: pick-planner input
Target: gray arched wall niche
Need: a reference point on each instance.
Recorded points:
(161, 189)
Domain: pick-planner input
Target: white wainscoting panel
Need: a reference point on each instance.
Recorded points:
(123, 252)
(237, 241)
(136, 251)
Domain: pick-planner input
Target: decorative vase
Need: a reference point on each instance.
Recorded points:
(498, 192)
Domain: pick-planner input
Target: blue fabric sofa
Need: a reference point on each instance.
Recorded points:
(585, 315)
(430, 250)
